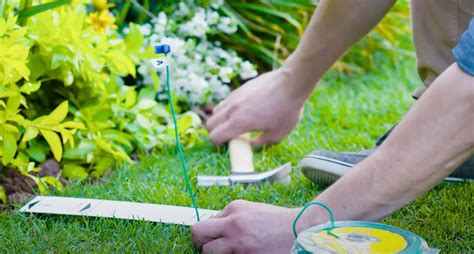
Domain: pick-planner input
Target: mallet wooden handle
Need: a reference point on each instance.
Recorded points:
(241, 156)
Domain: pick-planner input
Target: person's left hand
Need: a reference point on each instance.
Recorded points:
(247, 227)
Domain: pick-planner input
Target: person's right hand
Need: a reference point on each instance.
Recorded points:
(266, 103)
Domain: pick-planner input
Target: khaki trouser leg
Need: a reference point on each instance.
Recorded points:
(437, 27)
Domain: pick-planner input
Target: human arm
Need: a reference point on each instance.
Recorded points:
(426, 146)
(272, 102)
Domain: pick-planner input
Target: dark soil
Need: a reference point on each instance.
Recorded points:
(19, 187)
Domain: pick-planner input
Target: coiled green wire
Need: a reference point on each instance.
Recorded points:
(178, 146)
(331, 217)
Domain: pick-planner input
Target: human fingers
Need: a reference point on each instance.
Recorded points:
(226, 131)
(221, 105)
(217, 118)
(219, 246)
(221, 214)
(266, 138)
(208, 230)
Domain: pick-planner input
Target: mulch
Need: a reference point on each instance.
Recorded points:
(19, 187)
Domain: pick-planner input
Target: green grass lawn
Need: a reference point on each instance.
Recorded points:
(346, 113)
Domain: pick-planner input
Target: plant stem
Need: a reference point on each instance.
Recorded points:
(124, 12)
(24, 4)
(143, 9)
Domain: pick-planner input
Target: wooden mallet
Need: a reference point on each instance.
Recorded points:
(243, 171)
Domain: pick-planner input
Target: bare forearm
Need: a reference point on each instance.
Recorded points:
(335, 26)
(429, 143)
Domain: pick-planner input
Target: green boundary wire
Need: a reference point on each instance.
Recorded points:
(178, 146)
(331, 217)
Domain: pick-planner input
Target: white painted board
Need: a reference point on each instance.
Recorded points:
(116, 209)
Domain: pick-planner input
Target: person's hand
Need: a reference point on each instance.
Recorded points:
(266, 103)
(247, 227)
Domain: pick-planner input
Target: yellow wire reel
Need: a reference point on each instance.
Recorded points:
(354, 237)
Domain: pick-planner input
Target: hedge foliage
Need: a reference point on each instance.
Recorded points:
(63, 94)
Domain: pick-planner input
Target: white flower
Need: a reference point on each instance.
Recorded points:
(212, 17)
(198, 57)
(182, 11)
(219, 90)
(154, 38)
(234, 60)
(176, 44)
(221, 53)
(161, 19)
(159, 23)
(247, 71)
(197, 26)
(217, 3)
(200, 70)
(211, 63)
(224, 74)
(227, 25)
(197, 84)
(145, 29)
(142, 69)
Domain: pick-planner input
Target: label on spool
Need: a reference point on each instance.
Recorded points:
(353, 237)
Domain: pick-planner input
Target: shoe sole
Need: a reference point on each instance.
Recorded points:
(323, 170)
(326, 171)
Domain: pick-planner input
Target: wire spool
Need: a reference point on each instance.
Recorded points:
(351, 237)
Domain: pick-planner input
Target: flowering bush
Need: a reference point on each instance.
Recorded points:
(63, 95)
(75, 89)
(202, 71)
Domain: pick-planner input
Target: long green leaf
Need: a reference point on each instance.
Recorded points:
(3, 7)
(41, 8)
(124, 12)
(265, 10)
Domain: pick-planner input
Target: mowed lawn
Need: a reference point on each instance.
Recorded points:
(346, 113)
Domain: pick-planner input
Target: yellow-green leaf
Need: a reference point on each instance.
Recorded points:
(31, 167)
(73, 125)
(30, 87)
(30, 134)
(130, 98)
(21, 68)
(54, 143)
(9, 148)
(3, 26)
(71, 172)
(13, 103)
(184, 123)
(3, 195)
(10, 128)
(53, 181)
(58, 114)
(19, 119)
(41, 185)
(7, 93)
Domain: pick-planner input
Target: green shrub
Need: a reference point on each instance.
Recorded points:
(270, 30)
(64, 94)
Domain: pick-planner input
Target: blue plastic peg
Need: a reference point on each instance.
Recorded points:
(162, 49)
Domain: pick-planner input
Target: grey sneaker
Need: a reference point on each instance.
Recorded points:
(325, 167)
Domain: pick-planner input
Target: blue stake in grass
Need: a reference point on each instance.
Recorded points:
(165, 49)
